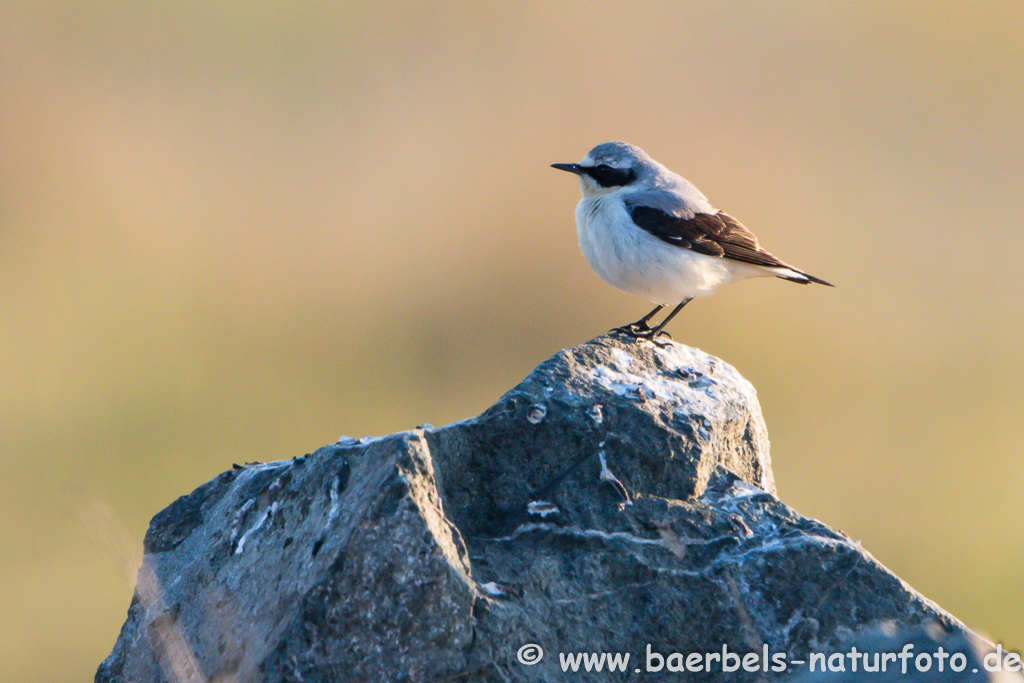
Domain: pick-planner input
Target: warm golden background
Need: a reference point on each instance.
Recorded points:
(233, 231)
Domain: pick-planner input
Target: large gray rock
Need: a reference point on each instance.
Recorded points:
(619, 500)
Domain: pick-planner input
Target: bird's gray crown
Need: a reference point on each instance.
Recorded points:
(611, 165)
(616, 155)
(614, 165)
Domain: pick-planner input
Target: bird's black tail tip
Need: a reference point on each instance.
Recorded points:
(805, 279)
(818, 281)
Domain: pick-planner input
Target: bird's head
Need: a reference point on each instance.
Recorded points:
(609, 167)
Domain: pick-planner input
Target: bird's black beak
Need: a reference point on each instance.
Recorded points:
(571, 168)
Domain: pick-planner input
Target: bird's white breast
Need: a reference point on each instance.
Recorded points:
(633, 260)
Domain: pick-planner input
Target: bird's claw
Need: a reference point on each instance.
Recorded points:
(626, 330)
(635, 330)
(643, 332)
(659, 338)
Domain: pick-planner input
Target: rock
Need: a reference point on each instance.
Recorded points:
(619, 500)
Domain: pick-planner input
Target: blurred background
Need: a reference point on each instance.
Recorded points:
(234, 231)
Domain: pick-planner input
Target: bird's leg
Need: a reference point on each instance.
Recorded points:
(640, 326)
(652, 333)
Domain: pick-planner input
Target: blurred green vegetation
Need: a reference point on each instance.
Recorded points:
(234, 231)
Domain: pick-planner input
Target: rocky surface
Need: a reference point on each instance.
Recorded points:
(619, 500)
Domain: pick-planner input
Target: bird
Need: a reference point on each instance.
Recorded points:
(652, 233)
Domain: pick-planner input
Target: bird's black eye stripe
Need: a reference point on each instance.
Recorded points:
(606, 176)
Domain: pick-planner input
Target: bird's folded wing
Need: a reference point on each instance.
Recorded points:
(665, 216)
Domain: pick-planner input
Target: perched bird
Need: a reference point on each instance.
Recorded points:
(650, 232)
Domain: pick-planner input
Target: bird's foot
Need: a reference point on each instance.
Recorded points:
(635, 330)
(641, 331)
(626, 330)
(659, 338)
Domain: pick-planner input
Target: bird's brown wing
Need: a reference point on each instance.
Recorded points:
(719, 234)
